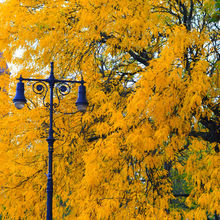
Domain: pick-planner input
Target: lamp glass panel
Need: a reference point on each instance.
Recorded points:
(19, 104)
(82, 107)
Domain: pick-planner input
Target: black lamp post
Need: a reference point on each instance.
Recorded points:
(40, 87)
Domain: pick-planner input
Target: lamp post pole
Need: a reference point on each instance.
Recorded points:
(39, 87)
(50, 141)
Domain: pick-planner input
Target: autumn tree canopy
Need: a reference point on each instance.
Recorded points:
(148, 146)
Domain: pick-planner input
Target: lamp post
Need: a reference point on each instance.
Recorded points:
(61, 87)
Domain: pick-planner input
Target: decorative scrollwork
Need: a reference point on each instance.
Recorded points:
(55, 105)
(63, 89)
(42, 89)
(46, 104)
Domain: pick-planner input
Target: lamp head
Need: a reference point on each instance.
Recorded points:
(82, 102)
(19, 99)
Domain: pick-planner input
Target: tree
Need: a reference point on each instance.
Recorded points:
(148, 146)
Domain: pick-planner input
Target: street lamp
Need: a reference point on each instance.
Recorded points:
(61, 87)
(19, 98)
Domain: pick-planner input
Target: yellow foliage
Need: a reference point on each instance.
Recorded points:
(152, 81)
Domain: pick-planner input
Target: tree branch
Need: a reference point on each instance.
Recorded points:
(206, 136)
(140, 59)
